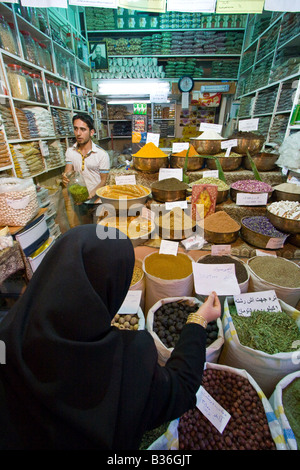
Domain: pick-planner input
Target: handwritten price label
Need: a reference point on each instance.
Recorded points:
(212, 410)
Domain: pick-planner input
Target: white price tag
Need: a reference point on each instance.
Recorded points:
(265, 253)
(212, 410)
(18, 203)
(247, 199)
(206, 126)
(250, 301)
(220, 278)
(275, 243)
(219, 250)
(179, 146)
(165, 173)
(225, 144)
(126, 179)
(248, 124)
(168, 248)
(131, 302)
(147, 213)
(211, 174)
(170, 205)
(154, 138)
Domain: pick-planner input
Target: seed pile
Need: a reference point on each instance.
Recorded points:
(278, 271)
(136, 275)
(170, 318)
(291, 405)
(222, 186)
(240, 270)
(247, 428)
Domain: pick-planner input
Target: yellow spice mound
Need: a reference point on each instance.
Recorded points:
(168, 266)
(150, 151)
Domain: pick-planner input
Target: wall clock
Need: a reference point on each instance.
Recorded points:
(185, 84)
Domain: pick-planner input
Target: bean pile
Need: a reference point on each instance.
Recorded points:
(126, 322)
(170, 318)
(247, 428)
(252, 186)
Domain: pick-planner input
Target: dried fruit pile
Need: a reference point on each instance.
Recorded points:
(247, 428)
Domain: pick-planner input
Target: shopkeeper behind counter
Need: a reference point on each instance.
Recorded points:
(90, 160)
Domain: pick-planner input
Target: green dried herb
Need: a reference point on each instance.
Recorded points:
(78, 192)
(270, 332)
(291, 406)
(185, 177)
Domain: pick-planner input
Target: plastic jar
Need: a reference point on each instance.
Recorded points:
(29, 47)
(38, 88)
(17, 81)
(6, 36)
(77, 187)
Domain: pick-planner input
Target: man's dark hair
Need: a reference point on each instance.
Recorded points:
(85, 118)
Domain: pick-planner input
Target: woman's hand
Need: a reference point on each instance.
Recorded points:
(211, 309)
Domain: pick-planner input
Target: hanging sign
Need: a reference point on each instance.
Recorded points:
(158, 6)
(45, 3)
(239, 6)
(281, 5)
(95, 3)
(200, 6)
(214, 88)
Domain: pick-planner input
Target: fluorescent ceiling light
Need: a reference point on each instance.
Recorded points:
(134, 87)
(127, 101)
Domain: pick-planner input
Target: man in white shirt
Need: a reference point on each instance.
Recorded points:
(90, 160)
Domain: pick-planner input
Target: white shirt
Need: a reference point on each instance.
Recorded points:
(95, 163)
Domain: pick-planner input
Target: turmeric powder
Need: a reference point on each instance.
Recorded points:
(192, 152)
(168, 266)
(150, 151)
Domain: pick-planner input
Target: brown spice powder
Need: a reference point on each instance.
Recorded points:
(220, 222)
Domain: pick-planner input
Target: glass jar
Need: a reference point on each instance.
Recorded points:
(77, 187)
(17, 82)
(69, 42)
(49, 84)
(38, 88)
(47, 57)
(40, 53)
(31, 91)
(29, 47)
(6, 36)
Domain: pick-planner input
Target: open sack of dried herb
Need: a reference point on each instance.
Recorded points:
(165, 320)
(263, 342)
(251, 425)
(285, 401)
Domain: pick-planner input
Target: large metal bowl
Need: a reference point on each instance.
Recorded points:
(252, 145)
(234, 192)
(206, 147)
(127, 228)
(256, 239)
(178, 233)
(222, 196)
(284, 224)
(163, 195)
(285, 196)
(123, 203)
(194, 163)
(220, 237)
(263, 161)
(294, 239)
(150, 165)
(227, 163)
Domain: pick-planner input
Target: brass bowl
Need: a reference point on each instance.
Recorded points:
(130, 228)
(206, 147)
(163, 195)
(222, 196)
(194, 163)
(234, 192)
(123, 203)
(150, 165)
(284, 196)
(252, 145)
(227, 163)
(256, 239)
(220, 237)
(294, 239)
(263, 161)
(283, 224)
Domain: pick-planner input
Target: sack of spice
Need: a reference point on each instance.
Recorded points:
(18, 201)
(165, 320)
(285, 401)
(252, 424)
(167, 276)
(138, 280)
(264, 346)
(275, 273)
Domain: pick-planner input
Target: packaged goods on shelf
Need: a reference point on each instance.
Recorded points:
(27, 158)
(62, 121)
